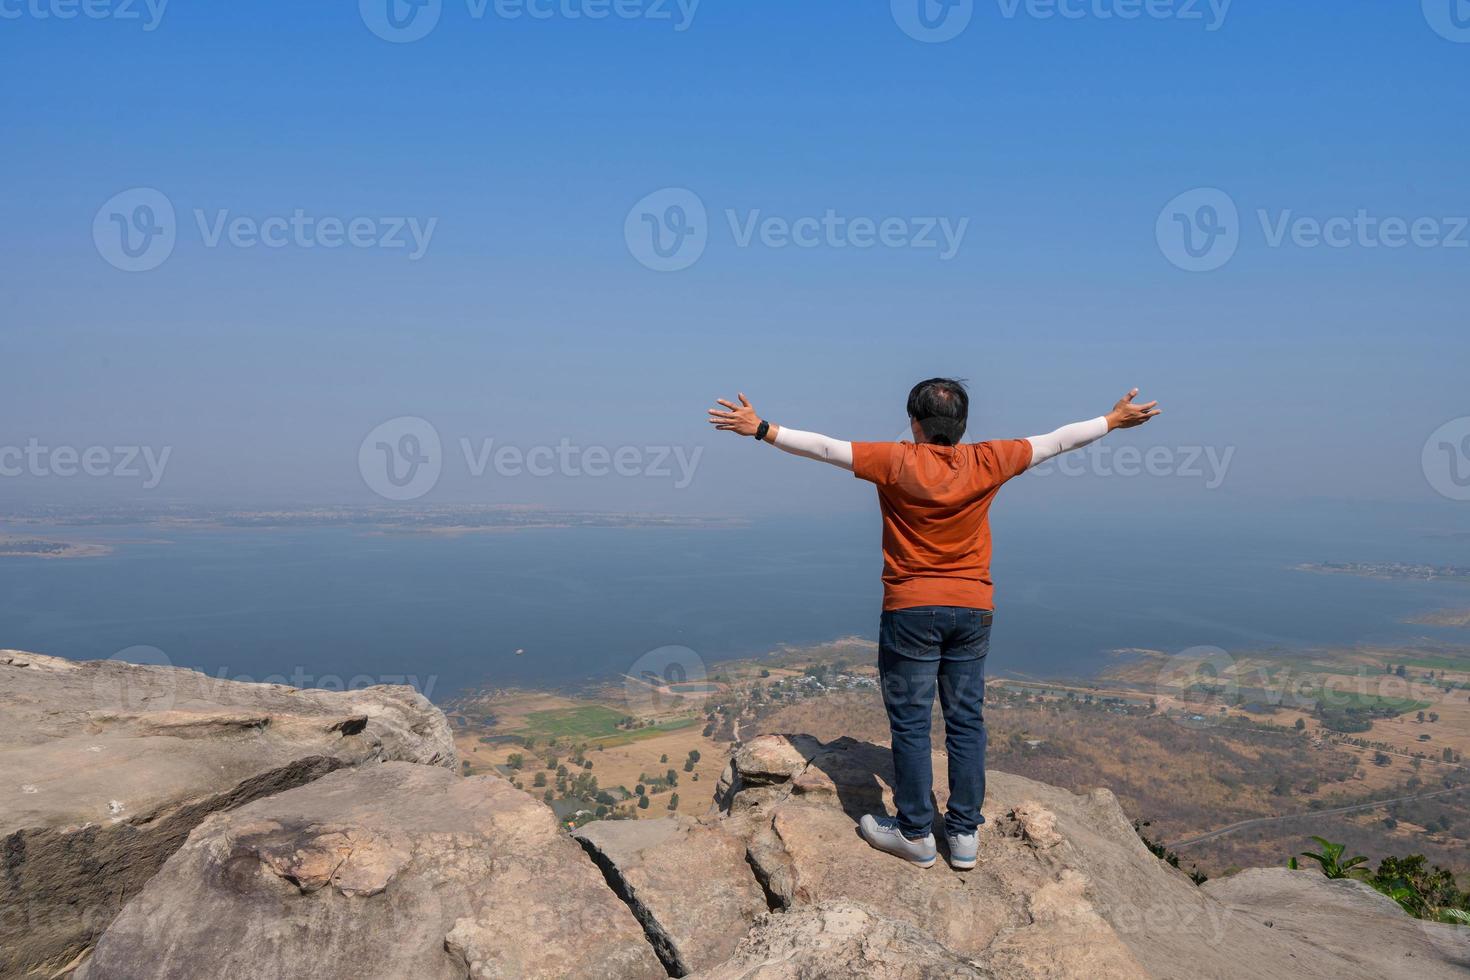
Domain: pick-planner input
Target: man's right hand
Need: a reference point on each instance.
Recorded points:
(1126, 415)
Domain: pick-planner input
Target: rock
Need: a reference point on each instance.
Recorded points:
(1032, 823)
(1347, 920)
(387, 871)
(109, 765)
(1063, 888)
(687, 882)
(401, 870)
(838, 941)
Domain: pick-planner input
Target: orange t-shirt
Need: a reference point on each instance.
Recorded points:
(936, 523)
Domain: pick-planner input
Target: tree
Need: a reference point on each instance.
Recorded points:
(540, 779)
(672, 778)
(548, 796)
(1301, 725)
(638, 790)
(515, 760)
(1420, 716)
(664, 757)
(674, 802)
(643, 802)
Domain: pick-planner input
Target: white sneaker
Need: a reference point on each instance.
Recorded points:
(962, 850)
(883, 834)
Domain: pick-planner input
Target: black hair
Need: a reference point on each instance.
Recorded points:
(941, 406)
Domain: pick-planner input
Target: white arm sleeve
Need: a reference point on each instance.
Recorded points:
(1065, 439)
(814, 446)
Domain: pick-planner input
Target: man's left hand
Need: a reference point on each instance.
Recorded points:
(740, 419)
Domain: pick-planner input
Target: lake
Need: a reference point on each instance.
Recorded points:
(561, 607)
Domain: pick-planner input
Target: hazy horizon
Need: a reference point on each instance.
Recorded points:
(1001, 206)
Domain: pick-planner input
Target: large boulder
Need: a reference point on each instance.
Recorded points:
(686, 880)
(398, 870)
(1063, 888)
(386, 872)
(1361, 926)
(109, 765)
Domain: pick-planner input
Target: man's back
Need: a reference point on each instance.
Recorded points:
(936, 505)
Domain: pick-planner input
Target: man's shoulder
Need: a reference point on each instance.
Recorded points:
(878, 461)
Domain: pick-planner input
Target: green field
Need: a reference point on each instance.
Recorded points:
(1437, 663)
(1340, 700)
(593, 723)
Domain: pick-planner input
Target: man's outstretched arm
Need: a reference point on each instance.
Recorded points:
(1125, 415)
(742, 420)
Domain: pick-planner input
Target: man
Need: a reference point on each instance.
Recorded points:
(935, 495)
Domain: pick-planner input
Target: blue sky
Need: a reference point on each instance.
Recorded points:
(522, 143)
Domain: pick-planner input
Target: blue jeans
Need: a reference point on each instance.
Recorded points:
(921, 650)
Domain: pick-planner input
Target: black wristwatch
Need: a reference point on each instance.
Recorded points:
(761, 430)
